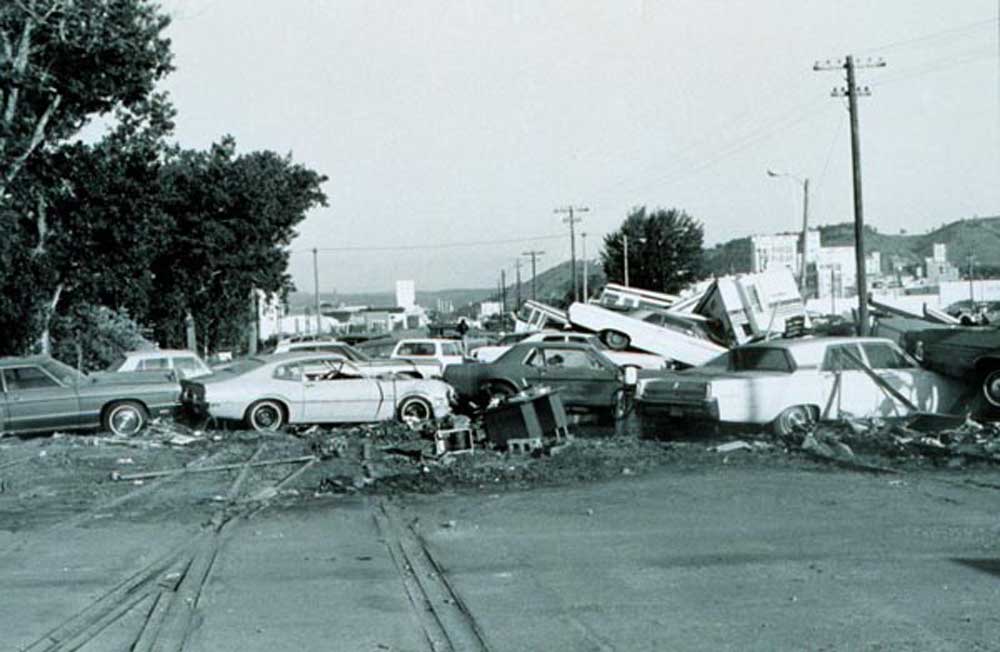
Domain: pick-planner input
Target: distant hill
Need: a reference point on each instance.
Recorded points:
(428, 299)
(979, 236)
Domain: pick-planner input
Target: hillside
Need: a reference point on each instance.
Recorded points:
(979, 236)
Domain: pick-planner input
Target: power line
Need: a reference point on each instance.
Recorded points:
(959, 29)
(448, 245)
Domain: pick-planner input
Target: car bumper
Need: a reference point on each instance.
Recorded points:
(706, 409)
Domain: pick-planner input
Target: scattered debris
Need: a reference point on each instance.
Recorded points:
(729, 447)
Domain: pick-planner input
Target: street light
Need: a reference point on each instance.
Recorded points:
(805, 223)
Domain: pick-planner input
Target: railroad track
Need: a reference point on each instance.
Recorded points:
(445, 620)
(165, 593)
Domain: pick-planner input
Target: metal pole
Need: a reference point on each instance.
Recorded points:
(859, 218)
(503, 292)
(625, 255)
(517, 287)
(319, 326)
(572, 252)
(586, 270)
(803, 280)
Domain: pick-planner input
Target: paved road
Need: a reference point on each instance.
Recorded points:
(718, 559)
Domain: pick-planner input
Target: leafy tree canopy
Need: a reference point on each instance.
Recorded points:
(664, 250)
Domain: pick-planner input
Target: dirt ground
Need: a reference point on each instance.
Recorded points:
(67, 502)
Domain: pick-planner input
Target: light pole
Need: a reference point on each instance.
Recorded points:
(803, 272)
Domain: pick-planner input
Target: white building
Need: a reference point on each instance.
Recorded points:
(406, 294)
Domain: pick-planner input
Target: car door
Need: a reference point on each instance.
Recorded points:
(37, 401)
(857, 394)
(335, 392)
(580, 377)
(904, 375)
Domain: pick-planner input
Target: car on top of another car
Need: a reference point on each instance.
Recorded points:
(620, 358)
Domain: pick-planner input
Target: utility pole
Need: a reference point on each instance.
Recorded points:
(503, 292)
(852, 92)
(533, 254)
(972, 275)
(319, 320)
(586, 267)
(571, 220)
(517, 288)
(625, 255)
(803, 272)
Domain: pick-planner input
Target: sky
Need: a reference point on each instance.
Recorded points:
(447, 123)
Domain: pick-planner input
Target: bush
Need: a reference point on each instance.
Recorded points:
(94, 337)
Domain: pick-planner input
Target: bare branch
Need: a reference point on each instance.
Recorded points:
(36, 138)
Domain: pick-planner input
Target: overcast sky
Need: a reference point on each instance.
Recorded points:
(470, 121)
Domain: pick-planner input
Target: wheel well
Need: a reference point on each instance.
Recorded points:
(281, 404)
(985, 365)
(499, 381)
(107, 406)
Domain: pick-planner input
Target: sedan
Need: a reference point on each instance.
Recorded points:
(584, 377)
(40, 394)
(291, 388)
(789, 384)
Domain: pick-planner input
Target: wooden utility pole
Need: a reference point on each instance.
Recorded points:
(319, 321)
(570, 211)
(586, 267)
(852, 92)
(533, 254)
(503, 292)
(517, 288)
(972, 275)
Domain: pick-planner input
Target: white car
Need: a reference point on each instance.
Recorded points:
(270, 392)
(620, 358)
(788, 384)
(443, 352)
(186, 364)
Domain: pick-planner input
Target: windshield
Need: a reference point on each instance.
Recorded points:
(63, 371)
(117, 364)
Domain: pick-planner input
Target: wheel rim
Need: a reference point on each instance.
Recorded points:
(415, 411)
(991, 388)
(796, 419)
(267, 417)
(617, 340)
(126, 421)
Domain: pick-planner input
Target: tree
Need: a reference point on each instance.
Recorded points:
(61, 63)
(664, 250)
(232, 217)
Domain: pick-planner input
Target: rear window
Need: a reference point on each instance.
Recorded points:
(885, 356)
(416, 348)
(759, 358)
(244, 365)
(451, 349)
(150, 364)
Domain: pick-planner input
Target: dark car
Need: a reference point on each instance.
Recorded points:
(40, 394)
(581, 374)
(971, 353)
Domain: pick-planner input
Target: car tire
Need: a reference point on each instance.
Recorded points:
(796, 419)
(615, 340)
(991, 387)
(125, 418)
(415, 410)
(498, 390)
(266, 416)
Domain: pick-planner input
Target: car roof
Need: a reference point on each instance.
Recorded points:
(13, 361)
(807, 342)
(158, 353)
(553, 345)
(300, 355)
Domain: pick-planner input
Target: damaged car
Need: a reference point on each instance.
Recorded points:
(268, 393)
(969, 353)
(787, 384)
(41, 394)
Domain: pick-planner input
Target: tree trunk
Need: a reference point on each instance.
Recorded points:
(46, 339)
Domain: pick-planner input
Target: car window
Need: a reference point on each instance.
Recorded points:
(118, 363)
(759, 358)
(187, 365)
(536, 359)
(153, 364)
(22, 378)
(554, 338)
(416, 348)
(719, 362)
(570, 359)
(884, 356)
(449, 348)
(655, 318)
(835, 360)
(288, 372)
